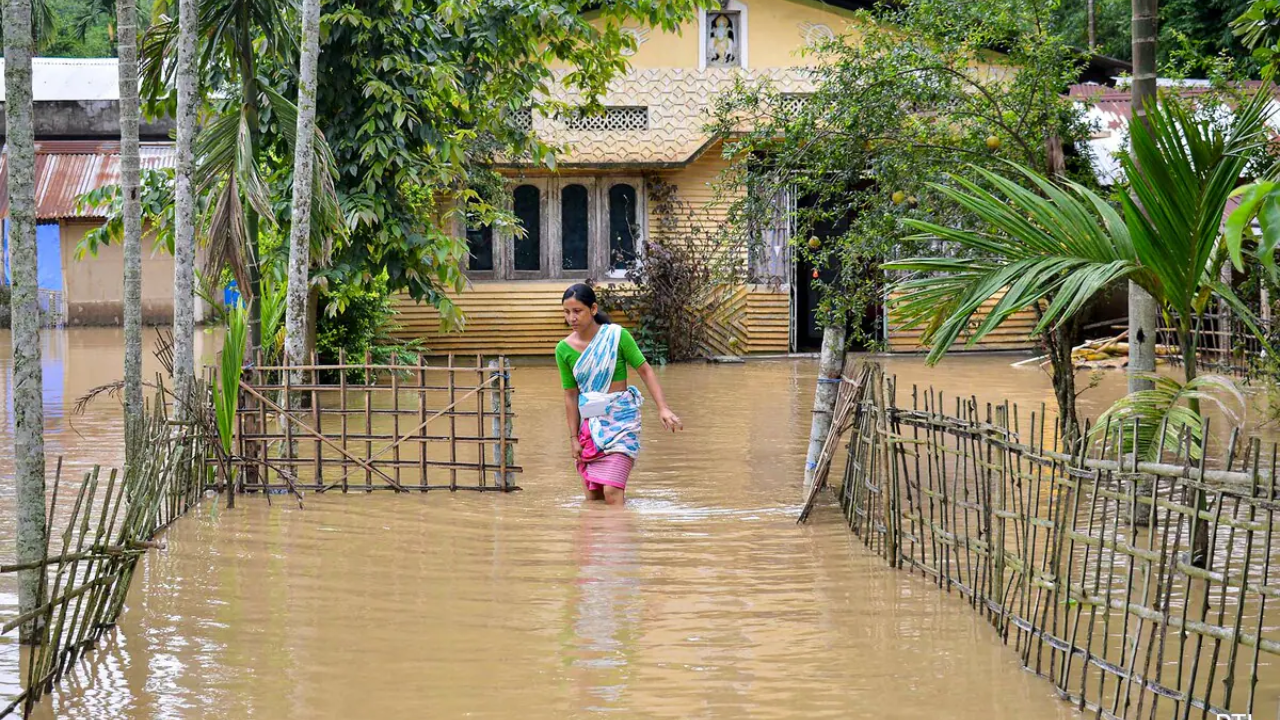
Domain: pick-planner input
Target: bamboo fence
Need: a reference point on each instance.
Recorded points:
(1085, 561)
(1224, 344)
(366, 426)
(113, 520)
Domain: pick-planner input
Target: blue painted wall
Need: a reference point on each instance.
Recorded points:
(48, 255)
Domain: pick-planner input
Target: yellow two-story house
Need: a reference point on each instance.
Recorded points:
(597, 210)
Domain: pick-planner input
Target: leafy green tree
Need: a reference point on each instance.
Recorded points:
(247, 47)
(444, 85)
(1040, 241)
(916, 98)
(1188, 28)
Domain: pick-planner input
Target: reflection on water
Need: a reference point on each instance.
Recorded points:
(608, 606)
(699, 599)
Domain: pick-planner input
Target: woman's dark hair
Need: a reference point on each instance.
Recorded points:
(586, 295)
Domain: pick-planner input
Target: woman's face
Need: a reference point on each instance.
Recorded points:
(577, 314)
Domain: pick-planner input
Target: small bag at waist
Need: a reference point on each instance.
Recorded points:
(593, 406)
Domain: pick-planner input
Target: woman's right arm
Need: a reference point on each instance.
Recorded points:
(575, 421)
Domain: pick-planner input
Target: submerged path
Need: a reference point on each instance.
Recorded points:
(701, 598)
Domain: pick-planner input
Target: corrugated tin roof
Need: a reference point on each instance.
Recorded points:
(66, 169)
(55, 79)
(1109, 109)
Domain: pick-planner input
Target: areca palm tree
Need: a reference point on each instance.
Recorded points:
(28, 381)
(233, 35)
(131, 183)
(1058, 246)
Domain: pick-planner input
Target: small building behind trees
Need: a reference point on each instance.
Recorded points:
(77, 151)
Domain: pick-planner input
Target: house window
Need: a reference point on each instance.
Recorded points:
(613, 119)
(480, 246)
(572, 227)
(527, 207)
(575, 230)
(622, 226)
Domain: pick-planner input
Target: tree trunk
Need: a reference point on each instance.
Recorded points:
(130, 185)
(249, 99)
(184, 240)
(313, 310)
(1059, 342)
(1143, 314)
(28, 382)
(1093, 26)
(830, 367)
(295, 323)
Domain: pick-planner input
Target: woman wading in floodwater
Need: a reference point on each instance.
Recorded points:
(603, 412)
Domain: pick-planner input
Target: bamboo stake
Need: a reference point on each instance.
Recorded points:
(369, 379)
(342, 394)
(317, 446)
(481, 384)
(290, 452)
(453, 425)
(1262, 581)
(423, 444)
(395, 408)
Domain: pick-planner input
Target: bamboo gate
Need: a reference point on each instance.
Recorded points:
(366, 426)
(1084, 561)
(361, 426)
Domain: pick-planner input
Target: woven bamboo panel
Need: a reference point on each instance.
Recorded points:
(1013, 334)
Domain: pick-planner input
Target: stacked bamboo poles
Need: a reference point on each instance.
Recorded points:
(379, 426)
(1082, 558)
(113, 520)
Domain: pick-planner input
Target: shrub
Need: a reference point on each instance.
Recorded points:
(665, 297)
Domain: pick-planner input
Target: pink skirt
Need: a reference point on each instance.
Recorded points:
(598, 469)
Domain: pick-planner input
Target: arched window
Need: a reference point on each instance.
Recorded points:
(575, 231)
(622, 226)
(526, 203)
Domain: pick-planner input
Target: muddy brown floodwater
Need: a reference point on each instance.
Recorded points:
(700, 599)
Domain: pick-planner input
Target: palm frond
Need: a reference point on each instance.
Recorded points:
(44, 23)
(1060, 246)
(1181, 173)
(326, 213)
(1166, 414)
(227, 237)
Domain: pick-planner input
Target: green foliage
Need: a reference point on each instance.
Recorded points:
(441, 87)
(1042, 243)
(1168, 412)
(226, 392)
(274, 284)
(650, 342)
(1258, 29)
(897, 114)
(362, 323)
(1201, 25)
(78, 28)
(157, 213)
(1067, 244)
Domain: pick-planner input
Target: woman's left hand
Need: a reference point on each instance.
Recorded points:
(670, 420)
